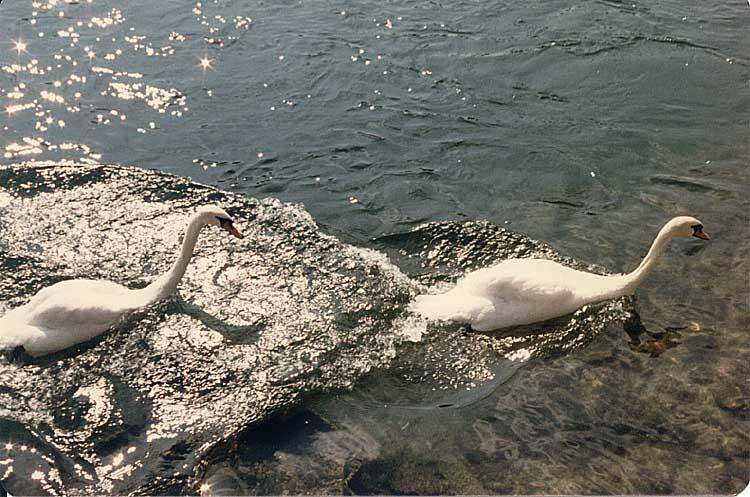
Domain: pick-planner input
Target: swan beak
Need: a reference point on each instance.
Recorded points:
(701, 234)
(234, 231)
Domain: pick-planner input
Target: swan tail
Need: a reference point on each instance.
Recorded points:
(451, 306)
(10, 338)
(14, 334)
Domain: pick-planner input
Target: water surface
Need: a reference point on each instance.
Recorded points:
(586, 125)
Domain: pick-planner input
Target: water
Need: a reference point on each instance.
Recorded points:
(584, 125)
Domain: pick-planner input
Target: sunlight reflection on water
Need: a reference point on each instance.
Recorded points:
(382, 117)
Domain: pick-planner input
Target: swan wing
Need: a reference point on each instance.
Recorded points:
(515, 291)
(451, 306)
(78, 305)
(523, 280)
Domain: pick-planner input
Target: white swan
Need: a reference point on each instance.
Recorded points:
(74, 311)
(524, 291)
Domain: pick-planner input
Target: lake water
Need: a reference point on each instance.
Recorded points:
(288, 363)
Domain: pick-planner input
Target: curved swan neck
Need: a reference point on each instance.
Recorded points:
(167, 283)
(635, 278)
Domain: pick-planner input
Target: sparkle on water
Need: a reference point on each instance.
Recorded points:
(20, 46)
(206, 63)
(380, 117)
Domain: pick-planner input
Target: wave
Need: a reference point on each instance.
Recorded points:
(256, 327)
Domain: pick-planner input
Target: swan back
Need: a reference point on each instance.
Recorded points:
(66, 313)
(517, 291)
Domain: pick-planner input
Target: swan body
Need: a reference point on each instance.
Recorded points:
(524, 291)
(75, 311)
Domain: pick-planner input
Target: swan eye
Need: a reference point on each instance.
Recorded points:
(697, 227)
(224, 221)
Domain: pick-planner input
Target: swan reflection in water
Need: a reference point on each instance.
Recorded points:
(75, 311)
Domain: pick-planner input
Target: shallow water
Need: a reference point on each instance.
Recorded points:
(584, 125)
(257, 326)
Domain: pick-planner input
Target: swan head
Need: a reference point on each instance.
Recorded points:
(686, 226)
(216, 216)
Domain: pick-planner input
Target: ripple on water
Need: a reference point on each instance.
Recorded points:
(254, 327)
(257, 325)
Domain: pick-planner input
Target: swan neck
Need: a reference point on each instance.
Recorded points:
(167, 283)
(635, 278)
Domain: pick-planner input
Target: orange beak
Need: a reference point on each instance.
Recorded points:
(234, 231)
(701, 234)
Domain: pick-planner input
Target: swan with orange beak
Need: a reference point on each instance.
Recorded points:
(523, 291)
(75, 311)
